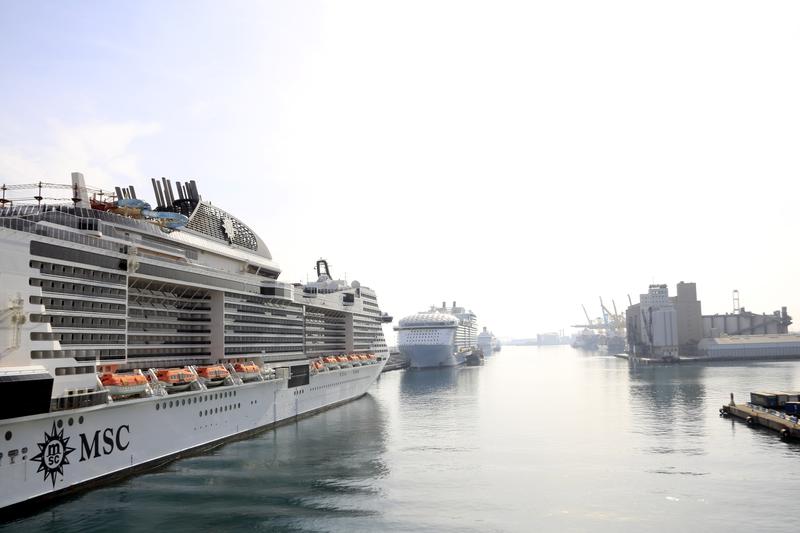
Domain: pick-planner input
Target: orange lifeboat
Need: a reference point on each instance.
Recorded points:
(175, 379)
(354, 359)
(331, 362)
(214, 375)
(363, 357)
(343, 360)
(247, 371)
(123, 385)
(318, 365)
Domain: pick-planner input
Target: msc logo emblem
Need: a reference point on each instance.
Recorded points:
(53, 454)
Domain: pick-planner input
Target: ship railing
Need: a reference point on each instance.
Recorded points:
(43, 230)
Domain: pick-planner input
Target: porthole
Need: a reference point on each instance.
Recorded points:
(200, 413)
(158, 406)
(80, 418)
(8, 435)
(60, 423)
(170, 404)
(70, 421)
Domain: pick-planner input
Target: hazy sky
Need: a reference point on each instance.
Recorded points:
(520, 158)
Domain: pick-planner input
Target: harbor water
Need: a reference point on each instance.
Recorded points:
(547, 439)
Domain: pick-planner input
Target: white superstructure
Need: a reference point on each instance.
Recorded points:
(439, 337)
(113, 286)
(487, 342)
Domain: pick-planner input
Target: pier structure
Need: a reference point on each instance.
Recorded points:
(787, 426)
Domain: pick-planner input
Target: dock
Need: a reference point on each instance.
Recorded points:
(753, 415)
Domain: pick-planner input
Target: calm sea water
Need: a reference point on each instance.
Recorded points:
(548, 439)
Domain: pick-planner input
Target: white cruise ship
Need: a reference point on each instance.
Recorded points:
(487, 342)
(437, 338)
(131, 335)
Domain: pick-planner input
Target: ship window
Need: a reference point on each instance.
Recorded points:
(157, 407)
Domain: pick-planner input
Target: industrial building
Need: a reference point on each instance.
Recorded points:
(665, 327)
(751, 347)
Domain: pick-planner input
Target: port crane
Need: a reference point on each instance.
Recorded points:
(610, 327)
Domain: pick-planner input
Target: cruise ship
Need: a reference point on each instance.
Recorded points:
(131, 335)
(487, 342)
(439, 337)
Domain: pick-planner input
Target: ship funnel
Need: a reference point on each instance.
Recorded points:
(80, 194)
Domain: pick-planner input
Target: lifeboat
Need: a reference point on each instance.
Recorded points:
(331, 362)
(354, 360)
(247, 371)
(364, 358)
(124, 385)
(213, 376)
(175, 379)
(317, 365)
(343, 361)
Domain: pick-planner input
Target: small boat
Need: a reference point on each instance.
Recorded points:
(214, 375)
(175, 379)
(124, 385)
(247, 371)
(317, 365)
(331, 362)
(354, 359)
(364, 359)
(344, 362)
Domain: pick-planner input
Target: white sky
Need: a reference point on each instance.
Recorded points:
(520, 158)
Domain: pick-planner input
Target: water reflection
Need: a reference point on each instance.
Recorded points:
(428, 381)
(440, 382)
(668, 403)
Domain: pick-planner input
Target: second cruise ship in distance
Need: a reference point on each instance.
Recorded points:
(439, 337)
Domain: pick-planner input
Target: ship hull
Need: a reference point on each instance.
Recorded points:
(432, 356)
(51, 455)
